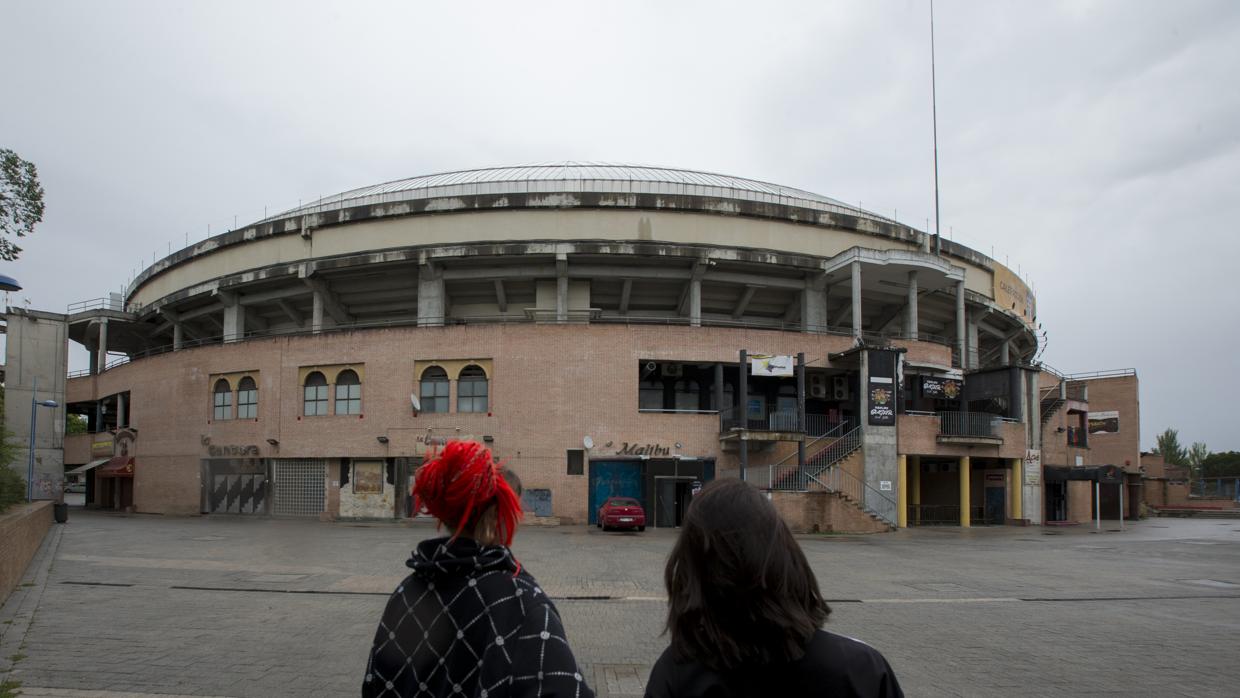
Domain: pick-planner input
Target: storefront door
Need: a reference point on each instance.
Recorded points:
(614, 479)
(672, 496)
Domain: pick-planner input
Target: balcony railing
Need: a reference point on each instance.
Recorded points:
(776, 420)
(976, 424)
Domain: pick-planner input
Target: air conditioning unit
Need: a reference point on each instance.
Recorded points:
(839, 387)
(817, 385)
(673, 370)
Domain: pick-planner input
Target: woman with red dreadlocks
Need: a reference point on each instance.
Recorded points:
(470, 621)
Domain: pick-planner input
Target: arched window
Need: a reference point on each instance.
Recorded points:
(247, 399)
(471, 390)
(221, 400)
(433, 392)
(315, 395)
(348, 393)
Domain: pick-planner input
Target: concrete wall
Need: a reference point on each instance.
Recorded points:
(22, 530)
(522, 225)
(37, 352)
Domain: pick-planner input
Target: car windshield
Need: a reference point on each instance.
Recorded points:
(624, 503)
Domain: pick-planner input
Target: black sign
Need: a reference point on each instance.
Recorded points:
(882, 387)
(940, 388)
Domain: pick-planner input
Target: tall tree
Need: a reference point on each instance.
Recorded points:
(21, 202)
(1170, 449)
(1197, 454)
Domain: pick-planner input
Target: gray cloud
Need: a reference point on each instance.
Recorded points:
(1091, 144)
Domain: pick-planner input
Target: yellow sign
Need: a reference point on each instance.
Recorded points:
(1014, 295)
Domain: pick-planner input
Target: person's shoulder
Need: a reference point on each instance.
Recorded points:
(850, 660)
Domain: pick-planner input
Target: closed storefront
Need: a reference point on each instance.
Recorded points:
(298, 486)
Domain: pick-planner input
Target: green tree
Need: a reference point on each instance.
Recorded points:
(12, 484)
(1170, 449)
(75, 424)
(21, 202)
(1222, 464)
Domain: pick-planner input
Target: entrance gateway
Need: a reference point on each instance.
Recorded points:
(663, 486)
(298, 486)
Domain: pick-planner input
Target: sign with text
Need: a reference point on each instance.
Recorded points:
(1104, 422)
(1033, 466)
(881, 387)
(940, 388)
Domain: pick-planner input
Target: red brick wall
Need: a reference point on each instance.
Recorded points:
(22, 530)
(1124, 448)
(822, 512)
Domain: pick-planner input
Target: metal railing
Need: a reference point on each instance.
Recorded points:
(868, 497)
(941, 514)
(979, 424)
(837, 449)
(431, 323)
(771, 419)
(117, 304)
(826, 439)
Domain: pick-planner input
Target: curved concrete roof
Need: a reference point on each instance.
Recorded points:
(573, 177)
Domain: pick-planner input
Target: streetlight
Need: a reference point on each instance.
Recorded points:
(35, 403)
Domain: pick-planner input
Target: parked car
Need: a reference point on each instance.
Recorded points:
(622, 512)
(75, 487)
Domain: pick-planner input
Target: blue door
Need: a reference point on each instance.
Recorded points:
(996, 505)
(614, 479)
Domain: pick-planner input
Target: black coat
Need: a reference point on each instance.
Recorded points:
(466, 623)
(833, 665)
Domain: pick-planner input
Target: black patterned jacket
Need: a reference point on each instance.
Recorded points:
(463, 624)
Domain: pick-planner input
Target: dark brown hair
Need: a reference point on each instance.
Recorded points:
(740, 591)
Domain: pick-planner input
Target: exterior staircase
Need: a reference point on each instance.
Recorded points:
(833, 468)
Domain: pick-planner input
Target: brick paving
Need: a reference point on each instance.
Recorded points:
(217, 606)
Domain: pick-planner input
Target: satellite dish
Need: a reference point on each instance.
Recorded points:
(587, 442)
(413, 400)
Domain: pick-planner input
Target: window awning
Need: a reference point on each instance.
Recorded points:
(118, 466)
(89, 466)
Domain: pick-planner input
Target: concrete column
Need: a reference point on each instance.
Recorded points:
(1015, 489)
(719, 389)
(695, 302)
(102, 360)
(856, 299)
(561, 299)
(234, 322)
(965, 491)
(960, 328)
(800, 371)
(902, 491)
(93, 359)
(742, 408)
(431, 297)
(120, 411)
(1005, 353)
(316, 314)
(813, 308)
(971, 343)
(915, 487)
(910, 319)
(178, 336)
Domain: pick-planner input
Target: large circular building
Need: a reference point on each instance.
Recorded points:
(584, 320)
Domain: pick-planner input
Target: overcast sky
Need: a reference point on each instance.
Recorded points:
(1094, 146)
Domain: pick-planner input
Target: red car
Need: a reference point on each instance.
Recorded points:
(621, 512)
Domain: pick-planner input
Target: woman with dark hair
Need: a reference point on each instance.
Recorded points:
(745, 612)
(470, 621)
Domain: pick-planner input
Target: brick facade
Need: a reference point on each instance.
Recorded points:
(22, 529)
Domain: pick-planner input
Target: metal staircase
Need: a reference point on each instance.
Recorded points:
(823, 472)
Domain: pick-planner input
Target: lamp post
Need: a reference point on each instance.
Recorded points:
(35, 404)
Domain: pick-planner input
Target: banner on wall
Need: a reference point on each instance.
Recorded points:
(881, 387)
(1104, 422)
(940, 388)
(764, 365)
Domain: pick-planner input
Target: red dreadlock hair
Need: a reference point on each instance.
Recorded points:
(458, 485)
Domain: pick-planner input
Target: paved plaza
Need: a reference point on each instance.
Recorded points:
(219, 606)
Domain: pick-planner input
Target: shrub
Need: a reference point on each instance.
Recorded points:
(12, 488)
